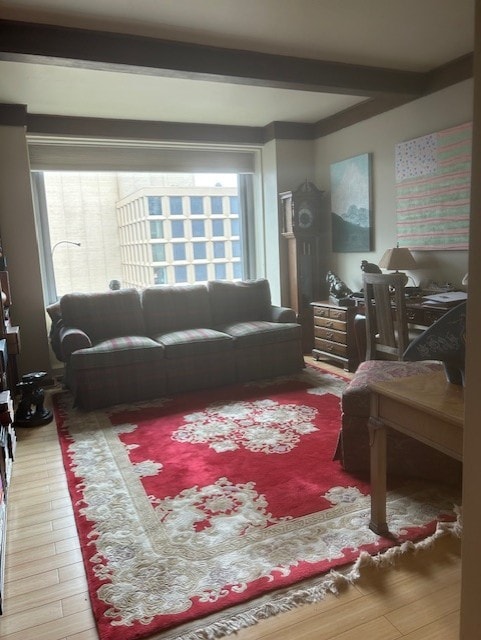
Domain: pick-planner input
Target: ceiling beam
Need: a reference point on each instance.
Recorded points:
(456, 71)
(444, 76)
(450, 73)
(13, 115)
(80, 48)
(142, 130)
(107, 51)
(357, 113)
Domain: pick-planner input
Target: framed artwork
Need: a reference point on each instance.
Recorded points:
(351, 204)
(433, 182)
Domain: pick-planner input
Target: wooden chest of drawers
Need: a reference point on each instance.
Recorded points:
(334, 336)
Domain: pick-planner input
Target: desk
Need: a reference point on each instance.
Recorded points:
(340, 336)
(427, 408)
(418, 311)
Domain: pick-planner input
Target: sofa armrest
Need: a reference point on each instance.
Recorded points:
(71, 340)
(282, 314)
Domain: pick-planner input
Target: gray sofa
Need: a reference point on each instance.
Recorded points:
(128, 345)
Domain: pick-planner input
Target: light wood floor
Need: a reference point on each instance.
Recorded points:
(46, 591)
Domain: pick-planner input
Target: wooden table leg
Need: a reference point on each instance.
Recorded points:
(377, 442)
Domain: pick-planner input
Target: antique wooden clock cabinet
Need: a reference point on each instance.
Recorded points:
(304, 249)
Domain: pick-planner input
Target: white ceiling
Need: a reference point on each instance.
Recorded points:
(81, 92)
(413, 35)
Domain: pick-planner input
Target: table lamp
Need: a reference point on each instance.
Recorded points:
(398, 258)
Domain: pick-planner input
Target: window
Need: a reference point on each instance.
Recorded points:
(200, 250)
(217, 228)
(177, 228)
(175, 206)
(198, 229)
(234, 204)
(200, 271)
(196, 205)
(158, 253)
(235, 227)
(219, 249)
(111, 220)
(156, 229)
(180, 272)
(236, 249)
(154, 205)
(179, 251)
(216, 204)
(220, 271)
(237, 268)
(160, 275)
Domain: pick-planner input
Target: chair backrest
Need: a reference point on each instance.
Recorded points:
(386, 316)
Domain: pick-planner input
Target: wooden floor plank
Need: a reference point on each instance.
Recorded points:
(54, 629)
(377, 629)
(445, 628)
(48, 593)
(19, 544)
(425, 609)
(15, 589)
(22, 621)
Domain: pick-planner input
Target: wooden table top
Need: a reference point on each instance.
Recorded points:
(431, 393)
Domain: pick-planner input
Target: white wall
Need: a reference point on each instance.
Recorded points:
(19, 239)
(378, 136)
(286, 165)
(295, 163)
(269, 208)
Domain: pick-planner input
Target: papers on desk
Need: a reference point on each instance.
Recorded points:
(447, 297)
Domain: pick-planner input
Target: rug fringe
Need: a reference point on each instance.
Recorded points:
(328, 584)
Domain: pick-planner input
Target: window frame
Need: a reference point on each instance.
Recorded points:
(66, 153)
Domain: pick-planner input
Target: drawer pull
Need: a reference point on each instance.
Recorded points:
(329, 336)
(329, 324)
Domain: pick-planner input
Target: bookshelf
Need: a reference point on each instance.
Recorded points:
(9, 348)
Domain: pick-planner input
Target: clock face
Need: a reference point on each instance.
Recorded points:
(305, 218)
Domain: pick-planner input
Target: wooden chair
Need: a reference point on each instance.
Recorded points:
(387, 331)
(387, 338)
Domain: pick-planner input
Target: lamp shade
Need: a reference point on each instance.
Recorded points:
(398, 258)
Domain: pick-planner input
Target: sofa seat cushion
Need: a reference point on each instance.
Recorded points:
(125, 350)
(194, 342)
(259, 332)
(356, 398)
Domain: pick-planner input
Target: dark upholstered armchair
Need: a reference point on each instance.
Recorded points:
(405, 456)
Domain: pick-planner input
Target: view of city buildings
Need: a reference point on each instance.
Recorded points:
(141, 229)
(179, 235)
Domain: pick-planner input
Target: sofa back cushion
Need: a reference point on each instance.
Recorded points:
(239, 301)
(175, 308)
(104, 315)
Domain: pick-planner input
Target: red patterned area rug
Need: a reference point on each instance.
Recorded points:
(202, 513)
